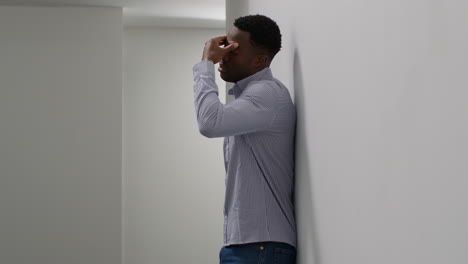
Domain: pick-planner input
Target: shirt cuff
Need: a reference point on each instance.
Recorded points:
(204, 67)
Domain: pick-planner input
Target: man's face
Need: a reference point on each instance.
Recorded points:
(240, 62)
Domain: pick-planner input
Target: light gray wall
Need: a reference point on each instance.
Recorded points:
(174, 177)
(382, 145)
(60, 135)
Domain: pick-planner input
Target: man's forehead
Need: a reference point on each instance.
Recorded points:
(229, 38)
(237, 35)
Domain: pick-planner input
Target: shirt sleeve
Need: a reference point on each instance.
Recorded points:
(252, 111)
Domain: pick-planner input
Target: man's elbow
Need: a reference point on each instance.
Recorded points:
(207, 131)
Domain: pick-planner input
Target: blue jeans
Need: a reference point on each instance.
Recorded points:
(268, 252)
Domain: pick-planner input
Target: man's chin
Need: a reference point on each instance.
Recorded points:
(224, 77)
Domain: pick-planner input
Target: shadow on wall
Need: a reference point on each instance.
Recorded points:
(307, 235)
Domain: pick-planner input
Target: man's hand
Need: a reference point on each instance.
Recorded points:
(214, 52)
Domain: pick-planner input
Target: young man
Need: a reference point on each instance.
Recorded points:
(259, 132)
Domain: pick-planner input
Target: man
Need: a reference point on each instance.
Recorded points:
(258, 129)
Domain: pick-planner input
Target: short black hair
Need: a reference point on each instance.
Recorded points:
(264, 32)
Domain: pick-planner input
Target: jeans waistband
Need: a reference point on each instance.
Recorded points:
(268, 243)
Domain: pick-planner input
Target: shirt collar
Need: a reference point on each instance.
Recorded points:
(240, 86)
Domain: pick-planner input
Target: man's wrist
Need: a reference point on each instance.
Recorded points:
(207, 60)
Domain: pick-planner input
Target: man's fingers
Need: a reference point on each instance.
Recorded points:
(220, 38)
(217, 39)
(214, 51)
(231, 46)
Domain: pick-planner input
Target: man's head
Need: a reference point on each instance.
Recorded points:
(259, 40)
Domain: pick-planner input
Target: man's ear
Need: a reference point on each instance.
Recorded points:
(261, 60)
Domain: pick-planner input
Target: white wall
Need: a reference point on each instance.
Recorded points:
(173, 176)
(382, 143)
(60, 135)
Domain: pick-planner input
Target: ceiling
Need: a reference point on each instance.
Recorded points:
(177, 13)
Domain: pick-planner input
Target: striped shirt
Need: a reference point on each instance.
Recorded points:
(258, 129)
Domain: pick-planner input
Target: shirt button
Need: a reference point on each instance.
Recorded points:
(261, 248)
